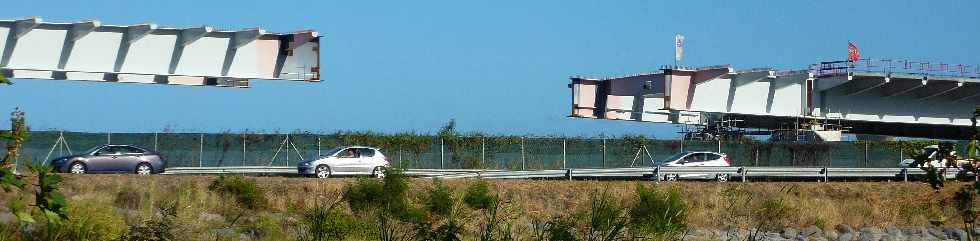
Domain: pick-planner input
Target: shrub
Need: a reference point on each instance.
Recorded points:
(88, 222)
(478, 196)
(606, 219)
(439, 199)
(264, 227)
(128, 198)
(327, 223)
(658, 212)
(556, 229)
(772, 214)
(161, 227)
(388, 196)
(10, 232)
(244, 190)
(364, 195)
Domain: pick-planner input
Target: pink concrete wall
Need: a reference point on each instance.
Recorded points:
(586, 96)
(680, 87)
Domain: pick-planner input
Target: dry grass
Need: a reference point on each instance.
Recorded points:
(864, 203)
(879, 204)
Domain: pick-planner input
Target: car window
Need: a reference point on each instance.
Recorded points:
(93, 149)
(130, 150)
(712, 156)
(366, 152)
(334, 151)
(673, 157)
(348, 153)
(109, 150)
(696, 157)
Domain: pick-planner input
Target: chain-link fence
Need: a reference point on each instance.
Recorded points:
(513, 153)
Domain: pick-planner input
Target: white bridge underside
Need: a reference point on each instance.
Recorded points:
(144, 53)
(866, 102)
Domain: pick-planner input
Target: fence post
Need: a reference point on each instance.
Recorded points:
(288, 143)
(200, 154)
(563, 153)
(867, 156)
(318, 146)
(442, 153)
(719, 144)
(483, 152)
(826, 174)
(61, 148)
(156, 140)
(603, 152)
(243, 150)
(523, 159)
(108, 138)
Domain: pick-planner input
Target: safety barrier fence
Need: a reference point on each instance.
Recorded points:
(467, 152)
(742, 174)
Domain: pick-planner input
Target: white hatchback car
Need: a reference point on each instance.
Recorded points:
(696, 159)
(346, 161)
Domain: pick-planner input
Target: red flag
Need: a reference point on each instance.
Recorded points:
(852, 52)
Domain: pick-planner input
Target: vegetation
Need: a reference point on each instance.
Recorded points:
(328, 223)
(247, 196)
(658, 212)
(48, 202)
(964, 200)
(185, 208)
(162, 226)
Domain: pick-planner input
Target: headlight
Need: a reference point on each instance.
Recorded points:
(304, 163)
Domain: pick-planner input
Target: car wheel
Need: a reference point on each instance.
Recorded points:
(379, 172)
(322, 171)
(722, 177)
(144, 169)
(671, 178)
(77, 168)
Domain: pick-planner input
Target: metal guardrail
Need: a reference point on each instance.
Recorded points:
(231, 170)
(648, 173)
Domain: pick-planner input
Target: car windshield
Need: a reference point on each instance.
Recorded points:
(93, 149)
(333, 151)
(671, 158)
(930, 151)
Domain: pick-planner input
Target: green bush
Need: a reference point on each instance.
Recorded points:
(389, 196)
(364, 195)
(244, 190)
(606, 219)
(88, 222)
(439, 199)
(325, 223)
(556, 229)
(658, 212)
(478, 196)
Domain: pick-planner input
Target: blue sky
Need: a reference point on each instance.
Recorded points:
(395, 66)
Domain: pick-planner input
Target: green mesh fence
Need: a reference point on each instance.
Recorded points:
(281, 149)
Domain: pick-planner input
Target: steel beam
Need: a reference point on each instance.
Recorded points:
(957, 86)
(907, 90)
(866, 89)
(145, 53)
